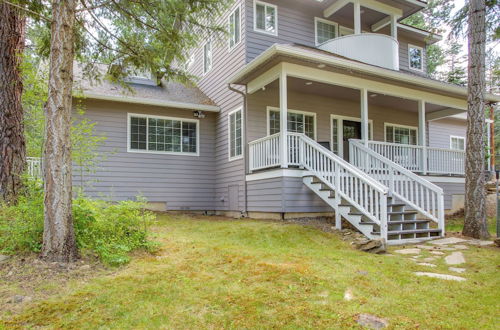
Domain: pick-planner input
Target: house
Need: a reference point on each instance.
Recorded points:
(310, 107)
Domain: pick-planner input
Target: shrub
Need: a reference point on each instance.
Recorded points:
(108, 230)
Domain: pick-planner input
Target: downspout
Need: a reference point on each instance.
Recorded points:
(245, 145)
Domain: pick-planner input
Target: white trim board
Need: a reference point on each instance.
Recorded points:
(443, 179)
(277, 173)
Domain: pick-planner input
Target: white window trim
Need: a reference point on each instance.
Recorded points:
(275, 33)
(322, 20)
(190, 61)
(229, 135)
(456, 137)
(205, 71)
(400, 126)
(340, 136)
(423, 58)
(130, 115)
(229, 24)
(269, 109)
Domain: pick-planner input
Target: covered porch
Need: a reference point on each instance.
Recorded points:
(334, 109)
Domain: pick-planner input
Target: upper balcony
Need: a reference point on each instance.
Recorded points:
(371, 48)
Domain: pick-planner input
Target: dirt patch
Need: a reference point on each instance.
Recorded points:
(24, 280)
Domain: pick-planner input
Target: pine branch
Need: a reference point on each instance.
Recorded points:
(27, 10)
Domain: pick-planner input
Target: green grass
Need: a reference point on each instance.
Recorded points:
(215, 273)
(457, 224)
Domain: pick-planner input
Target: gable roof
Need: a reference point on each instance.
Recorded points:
(167, 94)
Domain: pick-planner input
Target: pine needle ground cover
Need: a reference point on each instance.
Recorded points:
(218, 273)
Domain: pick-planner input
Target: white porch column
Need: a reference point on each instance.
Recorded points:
(357, 17)
(364, 115)
(422, 135)
(394, 27)
(283, 120)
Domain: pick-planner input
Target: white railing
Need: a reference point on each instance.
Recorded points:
(422, 159)
(420, 194)
(264, 152)
(348, 182)
(34, 167)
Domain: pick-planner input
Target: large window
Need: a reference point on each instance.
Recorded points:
(297, 122)
(235, 27)
(457, 142)
(162, 134)
(325, 30)
(207, 57)
(416, 57)
(265, 18)
(235, 134)
(400, 134)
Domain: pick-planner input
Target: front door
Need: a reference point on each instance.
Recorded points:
(351, 130)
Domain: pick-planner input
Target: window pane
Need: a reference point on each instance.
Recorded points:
(138, 131)
(260, 17)
(309, 126)
(235, 136)
(207, 57)
(234, 27)
(189, 137)
(389, 134)
(324, 32)
(415, 59)
(402, 135)
(335, 136)
(274, 122)
(270, 19)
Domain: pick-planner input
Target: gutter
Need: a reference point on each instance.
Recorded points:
(245, 139)
(146, 101)
(348, 64)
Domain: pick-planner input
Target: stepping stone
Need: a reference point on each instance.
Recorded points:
(457, 270)
(371, 321)
(3, 258)
(481, 243)
(448, 240)
(460, 247)
(426, 264)
(456, 258)
(348, 295)
(408, 251)
(438, 253)
(429, 259)
(426, 247)
(441, 276)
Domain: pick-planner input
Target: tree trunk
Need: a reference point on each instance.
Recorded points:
(59, 237)
(475, 194)
(12, 143)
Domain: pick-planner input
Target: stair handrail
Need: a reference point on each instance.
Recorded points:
(363, 192)
(426, 197)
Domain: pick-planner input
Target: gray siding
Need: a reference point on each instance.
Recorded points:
(403, 56)
(213, 84)
(441, 130)
(183, 182)
(449, 190)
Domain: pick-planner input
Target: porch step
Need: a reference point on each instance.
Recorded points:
(411, 231)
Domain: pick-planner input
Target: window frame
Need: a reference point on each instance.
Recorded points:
(147, 151)
(229, 28)
(205, 71)
(307, 113)
(340, 129)
(410, 46)
(457, 137)
(401, 126)
(265, 4)
(325, 21)
(240, 109)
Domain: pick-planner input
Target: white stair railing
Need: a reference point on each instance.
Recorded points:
(420, 194)
(361, 191)
(34, 167)
(264, 152)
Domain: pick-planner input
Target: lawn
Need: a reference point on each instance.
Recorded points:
(217, 273)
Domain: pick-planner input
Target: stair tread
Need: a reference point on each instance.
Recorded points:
(402, 212)
(398, 222)
(411, 231)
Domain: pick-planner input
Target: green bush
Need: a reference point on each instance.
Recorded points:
(108, 230)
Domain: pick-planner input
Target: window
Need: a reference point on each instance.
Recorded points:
(189, 62)
(325, 30)
(234, 28)
(162, 134)
(400, 134)
(297, 122)
(235, 134)
(416, 57)
(457, 142)
(265, 18)
(207, 57)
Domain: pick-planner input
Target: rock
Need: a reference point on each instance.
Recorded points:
(429, 259)
(85, 267)
(371, 321)
(460, 247)
(481, 242)
(3, 258)
(438, 253)
(17, 299)
(362, 272)
(448, 240)
(441, 276)
(426, 264)
(456, 258)
(348, 295)
(426, 247)
(371, 246)
(497, 242)
(408, 251)
(457, 270)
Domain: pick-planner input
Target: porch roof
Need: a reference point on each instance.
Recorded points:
(315, 58)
